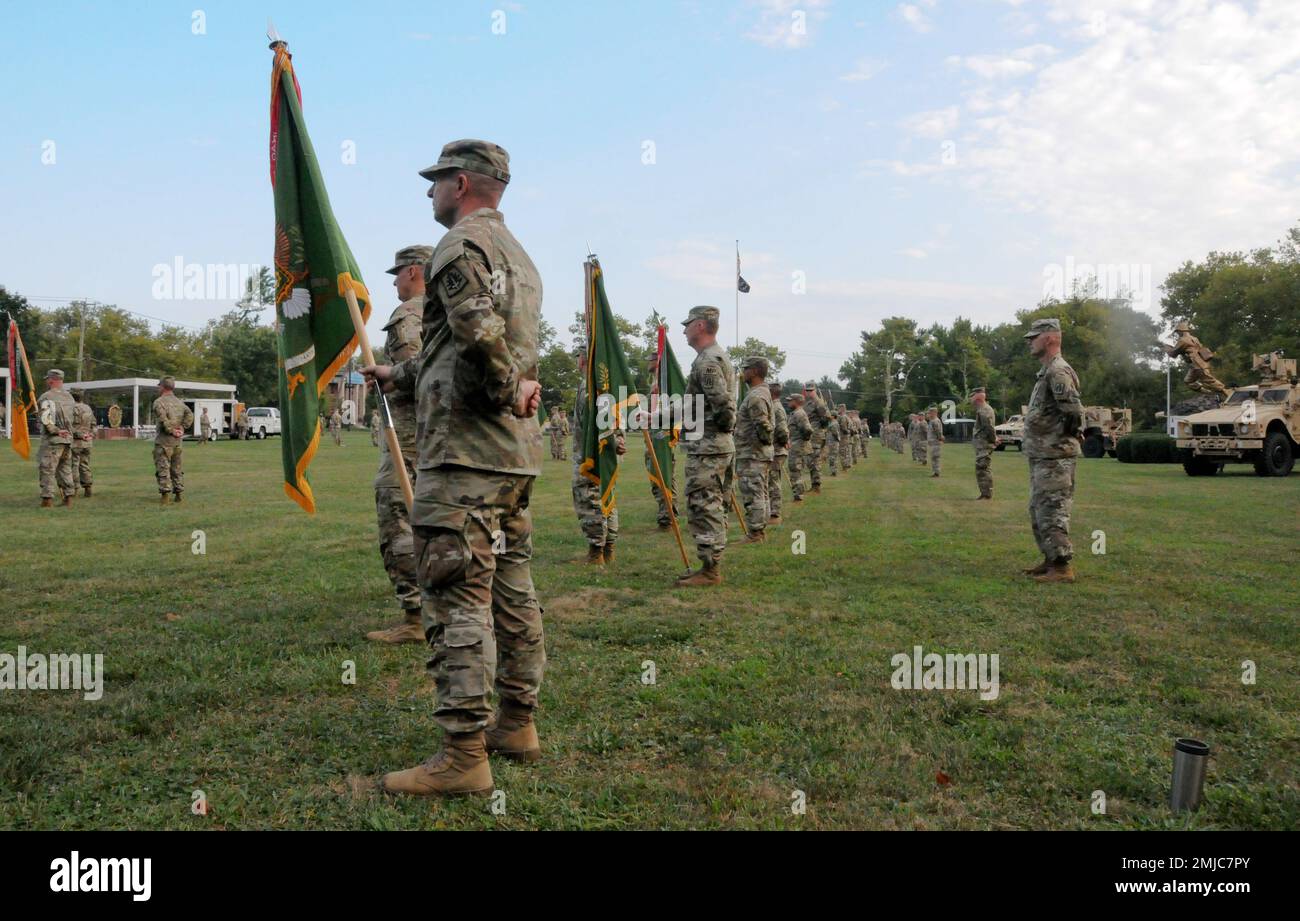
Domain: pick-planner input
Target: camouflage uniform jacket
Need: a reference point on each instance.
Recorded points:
(801, 430)
(755, 424)
(83, 422)
(817, 412)
(1055, 413)
(402, 344)
(984, 435)
(481, 314)
(56, 416)
(933, 432)
(171, 413)
(713, 377)
(780, 430)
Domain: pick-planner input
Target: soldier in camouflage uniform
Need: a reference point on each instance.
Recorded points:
(755, 431)
(986, 439)
(831, 448)
(174, 419)
(376, 424)
(780, 453)
(916, 437)
(820, 418)
(555, 433)
(601, 530)
(83, 438)
(336, 427)
(56, 466)
(801, 437)
(205, 427)
(396, 539)
(934, 440)
(565, 432)
(1053, 428)
(480, 450)
(846, 438)
(709, 458)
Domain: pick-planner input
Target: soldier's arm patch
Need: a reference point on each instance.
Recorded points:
(453, 282)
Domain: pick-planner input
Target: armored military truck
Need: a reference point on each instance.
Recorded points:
(1257, 424)
(1103, 426)
(1012, 432)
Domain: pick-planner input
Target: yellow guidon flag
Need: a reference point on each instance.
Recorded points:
(24, 392)
(314, 271)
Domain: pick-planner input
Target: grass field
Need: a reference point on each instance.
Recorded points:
(223, 671)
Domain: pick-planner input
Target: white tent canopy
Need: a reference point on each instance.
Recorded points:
(148, 384)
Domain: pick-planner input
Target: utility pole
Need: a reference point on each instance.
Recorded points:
(81, 346)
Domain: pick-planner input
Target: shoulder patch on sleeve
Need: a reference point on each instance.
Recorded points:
(447, 253)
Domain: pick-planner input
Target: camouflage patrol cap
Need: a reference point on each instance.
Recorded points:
(795, 397)
(810, 385)
(755, 361)
(702, 313)
(1182, 326)
(167, 383)
(977, 390)
(1038, 327)
(411, 255)
(53, 373)
(476, 156)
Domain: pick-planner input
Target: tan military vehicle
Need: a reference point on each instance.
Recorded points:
(1012, 432)
(1257, 423)
(1103, 426)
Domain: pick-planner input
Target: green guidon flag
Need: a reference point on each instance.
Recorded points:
(668, 391)
(610, 388)
(313, 269)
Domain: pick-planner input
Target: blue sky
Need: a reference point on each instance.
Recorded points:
(930, 159)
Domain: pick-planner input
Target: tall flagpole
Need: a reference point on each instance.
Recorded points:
(736, 288)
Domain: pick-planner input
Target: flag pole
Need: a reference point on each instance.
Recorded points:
(736, 294)
(669, 497)
(390, 433)
(740, 513)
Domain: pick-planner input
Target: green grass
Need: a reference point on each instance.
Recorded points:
(223, 670)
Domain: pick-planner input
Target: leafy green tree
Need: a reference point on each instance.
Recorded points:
(246, 354)
(751, 346)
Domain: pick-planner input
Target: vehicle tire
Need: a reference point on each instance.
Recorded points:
(1093, 446)
(1199, 466)
(1000, 448)
(1278, 457)
(261, 434)
(1020, 446)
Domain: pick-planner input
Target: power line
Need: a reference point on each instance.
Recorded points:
(88, 301)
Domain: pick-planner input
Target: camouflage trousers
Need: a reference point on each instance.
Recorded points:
(658, 493)
(207, 435)
(169, 468)
(708, 496)
(774, 483)
(918, 451)
(557, 446)
(984, 472)
(473, 549)
(936, 457)
(397, 545)
(814, 459)
(56, 466)
(752, 484)
(846, 454)
(1051, 496)
(599, 529)
(81, 474)
(374, 438)
(338, 435)
(831, 455)
(796, 464)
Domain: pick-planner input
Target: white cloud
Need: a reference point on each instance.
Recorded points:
(1173, 129)
(863, 70)
(1018, 63)
(915, 16)
(786, 23)
(938, 123)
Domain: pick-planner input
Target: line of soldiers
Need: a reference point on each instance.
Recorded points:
(68, 434)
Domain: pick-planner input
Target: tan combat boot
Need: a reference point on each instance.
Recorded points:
(595, 555)
(816, 490)
(47, 503)
(1039, 569)
(460, 769)
(176, 497)
(1059, 571)
(775, 519)
(702, 577)
(86, 490)
(408, 631)
(609, 554)
(757, 537)
(164, 498)
(513, 734)
(67, 502)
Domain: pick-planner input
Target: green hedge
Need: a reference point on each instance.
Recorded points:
(1156, 448)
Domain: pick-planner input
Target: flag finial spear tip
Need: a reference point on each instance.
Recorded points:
(274, 36)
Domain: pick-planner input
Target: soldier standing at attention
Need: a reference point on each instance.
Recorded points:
(846, 438)
(820, 419)
(336, 427)
(565, 432)
(755, 431)
(934, 440)
(396, 541)
(241, 425)
(1053, 427)
(55, 465)
(801, 433)
(554, 432)
(174, 420)
(780, 453)
(831, 451)
(375, 423)
(83, 437)
(480, 450)
(205, 426)
(986, 439)
(709, 457)
(601, 530)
